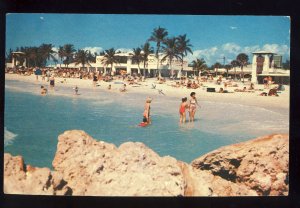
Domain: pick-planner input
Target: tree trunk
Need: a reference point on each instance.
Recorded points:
(242, 73)
(139, 70)
(234, 74)
(171, 68)
(144, 70)
(157, 54)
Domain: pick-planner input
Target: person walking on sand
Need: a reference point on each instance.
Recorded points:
(146, 113)
(95, 79)
(192, 106)
(182, 108)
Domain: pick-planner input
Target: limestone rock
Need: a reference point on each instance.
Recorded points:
(260, 164)
(97, 168)
(21, 179)
(87, 167)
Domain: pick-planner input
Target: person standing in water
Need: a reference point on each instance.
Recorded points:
(192, 106)
(52, 80)
(76, 90)
(182, 108)
(146, 113)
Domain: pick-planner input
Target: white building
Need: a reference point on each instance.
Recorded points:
(265, 64)
(16, 56)
(130, 66)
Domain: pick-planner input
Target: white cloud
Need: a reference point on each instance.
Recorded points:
(208, 54)
(233, 28)
(42, 18)
(231, 48)
(93, 49)
(275, 48)
(250, 49)
(56, 54)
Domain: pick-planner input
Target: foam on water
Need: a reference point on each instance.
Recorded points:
(8, 137)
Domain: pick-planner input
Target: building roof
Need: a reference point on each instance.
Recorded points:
(273, 75)
(263, 52)
(18, 52)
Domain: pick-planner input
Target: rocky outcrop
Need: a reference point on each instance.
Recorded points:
(84, 166)
(22, 179)
(99, 168)
(260, 164)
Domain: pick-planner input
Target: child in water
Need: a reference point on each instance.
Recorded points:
(182, 108)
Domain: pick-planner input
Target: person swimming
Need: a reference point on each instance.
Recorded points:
(123, 89)
(182, 109)
(43, 90)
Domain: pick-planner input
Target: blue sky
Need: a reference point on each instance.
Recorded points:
(212, 37)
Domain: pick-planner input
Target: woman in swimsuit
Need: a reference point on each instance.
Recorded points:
(147, 110)
(52, 82)
(192, 106)
(182, 108)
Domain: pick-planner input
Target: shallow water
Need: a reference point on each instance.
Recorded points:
(33, 122)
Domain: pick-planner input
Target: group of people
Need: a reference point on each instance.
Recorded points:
(267, 81)
(190, 105)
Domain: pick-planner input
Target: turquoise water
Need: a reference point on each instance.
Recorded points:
(33, 122)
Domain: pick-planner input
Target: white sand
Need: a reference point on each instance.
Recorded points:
(280, 103)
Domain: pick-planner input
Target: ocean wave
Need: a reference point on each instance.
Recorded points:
(8, 137)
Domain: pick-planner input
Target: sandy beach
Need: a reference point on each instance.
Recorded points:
(280, 103)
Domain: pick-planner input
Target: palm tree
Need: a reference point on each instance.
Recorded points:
(82, 57)
(61, 54)
(227, 67)
(32, 56)
(170, 50)
(217, 65)
(46, 51)
(158, 36)
(199, 65)
(147, 50)
(8, 57)
(183, 48)
(242, 59)
(137, 57)
(110, 58)
(69, 51)
(234, 64)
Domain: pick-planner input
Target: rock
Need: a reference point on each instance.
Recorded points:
(97, 168)
(19, 179)
(86, 167)
(260, 164)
